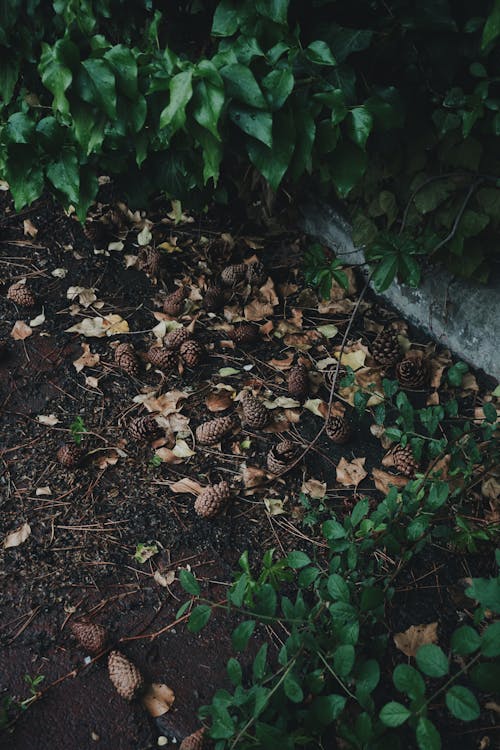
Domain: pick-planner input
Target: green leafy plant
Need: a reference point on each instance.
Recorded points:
(320, 271)
(78, 429)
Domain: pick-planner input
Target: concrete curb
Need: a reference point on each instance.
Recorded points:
(463, 317)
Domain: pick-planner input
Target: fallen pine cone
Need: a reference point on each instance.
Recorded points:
(194, 741)
(338, 429)
(255, 413)
(214, 430)
(21, 295)
(233, 275)
(213, 299)
(385, 348)
(149, 261)
(281, 456)
(412, 372)
(124, 675)
(256, 273)
(298, 382)
(144, 428)
(70, 455)
(404, 461)
(164, 359)
(212, 500)
(173, 304)
(243, 333)
(191, 353)
(91, 636)
(330, 374)
(126, 359)
(100, 232)
(175, 338)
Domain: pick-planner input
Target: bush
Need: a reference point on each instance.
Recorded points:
(372, 100)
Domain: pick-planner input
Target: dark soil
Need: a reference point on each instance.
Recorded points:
(79, 558)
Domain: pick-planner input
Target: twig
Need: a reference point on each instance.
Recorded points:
(458, 218)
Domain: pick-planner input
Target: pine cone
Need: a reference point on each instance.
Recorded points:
(164, 359)
(232, 275)
(385, 348)
(124, 675)
(126, 359)
(298, 382)
(21, 295)
(191, 353)
(338, 429)
(255, 413)
(211, 432)
(412, 372)
(174, 303)
(243, 333)
(106, 228)
(91, 636)
(404, 461)
(256, 274)
(175, 338)
(194, 741)
(214, 299)
(70, 455)
(149, 261)
(212, 500)
(330, 374)
(144, 428)
(281, 456)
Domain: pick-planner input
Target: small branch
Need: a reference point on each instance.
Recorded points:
(458, 218)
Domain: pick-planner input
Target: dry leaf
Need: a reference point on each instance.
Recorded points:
(415, 636)
(267, 292)
(182, 450)
(274, 506)
(108, 458)
(164, 580)
(252, 476)
(59, 273)
(20, 331)
(258, 310)
(166, 404)
(86, 295)
(317, 406)
(220, 400)
(92, 382)
(18, 536)
(43, 491)
(186, 485)
(283, 364)
(87, 359)
(144, 237)
(314, 488)
(350, 474)
(282, 402)
(49, 419)
(384, 481)
(38, 320)
(490, 488)
(158, 699)
(29, 228)
(99, 327)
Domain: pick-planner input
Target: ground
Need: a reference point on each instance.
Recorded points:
(80, 527)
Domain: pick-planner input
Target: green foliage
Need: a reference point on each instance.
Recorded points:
(78, 429)
(320, 271)
(182, 102)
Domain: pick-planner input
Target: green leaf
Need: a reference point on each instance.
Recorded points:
(234, 671)
(297, 559)
(462, 704)
(371, 598)
(347, 166)
(456, 372)
(88, 191)
(393, 714)
(385, 272)
(346, 41)
(242, 86)
(368, 676)
(428, 737)
(9, 73)
(259, 664)
(359, 512)
(24, 175)
(189, 582)
(56, 73)
(254, 122)
(276, 10)
(432, 660)
(320, 53)
(359, 125)
(327, 708)
(208, 101)
(278, 85)
(242, 633)
(225, 20)
(88, 125)
(199, 618)
(65, 175)
(333, 530)
(124, 65)
(492, 26)
(338, 588)
(490, 640)
(343, 660)
(490, 412)
(485, 590)
(273, 163)
(407, 680)
(96, 85)
(486, 676)
(292, 688)
(181, 91)
(465, 640)
(19, 128)
(308, 576)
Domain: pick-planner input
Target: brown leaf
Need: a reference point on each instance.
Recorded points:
(267, 293)
(18, 536)
(258, 310)
(164, 580)
(20, 331)
(87, 359)
(415, 636)
(219, 400)
(166, 404)
(186, 485)
(314, 488)
(283, 364)
(158, 699)
(384, 481)
(29, 228)
(253, 476)
(351, 473)
(490, 488)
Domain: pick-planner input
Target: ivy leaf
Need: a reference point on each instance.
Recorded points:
(208, 101)
(492, 26)
(462, 704)
(256, 123)
(65, 175)
(276, 10)
(320, 53)
(19, 128)
(96, 85)
(242, 85)
(24, 174)
(273, 163)
(359, 125)
(9, 73)
(124, 65)
(278, 85)
(56, 73)
(347, 165)
(225, 21)
(181, 91)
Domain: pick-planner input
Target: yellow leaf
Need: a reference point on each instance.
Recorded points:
(18, 536)
(415, 636)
